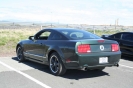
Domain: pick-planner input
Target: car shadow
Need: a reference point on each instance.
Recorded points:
(79, 74)
(70, 74)
(34, 65)
(127, 57)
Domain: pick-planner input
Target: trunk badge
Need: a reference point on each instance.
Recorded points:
(101, 47)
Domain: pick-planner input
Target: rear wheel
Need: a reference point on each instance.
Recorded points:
(56, 65)
(20, 55)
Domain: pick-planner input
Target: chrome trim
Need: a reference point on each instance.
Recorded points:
(34, 55)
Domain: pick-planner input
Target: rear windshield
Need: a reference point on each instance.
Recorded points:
(79, 34)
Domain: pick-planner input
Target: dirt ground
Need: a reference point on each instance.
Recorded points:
(8, 54)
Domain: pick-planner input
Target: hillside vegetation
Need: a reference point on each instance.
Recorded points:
(10, 37)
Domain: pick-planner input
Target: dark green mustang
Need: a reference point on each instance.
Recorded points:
(63, 49)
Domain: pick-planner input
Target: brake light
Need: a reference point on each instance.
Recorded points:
(115, 47)
(84, 48)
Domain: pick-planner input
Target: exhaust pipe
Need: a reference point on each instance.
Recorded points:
(117, 65)
(84, 69)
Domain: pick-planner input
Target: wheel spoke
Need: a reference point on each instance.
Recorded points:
(52, 61)
(57, 63)
(56, 68)
(19, 53)
(52, 66)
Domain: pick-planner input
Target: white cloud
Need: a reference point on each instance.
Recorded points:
(126, 3)
(75, 11)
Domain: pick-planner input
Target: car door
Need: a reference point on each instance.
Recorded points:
(37, 46)
(127, 43)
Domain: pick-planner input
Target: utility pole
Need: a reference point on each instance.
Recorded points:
(117, 21)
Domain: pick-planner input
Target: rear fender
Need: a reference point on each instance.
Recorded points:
(57, 50)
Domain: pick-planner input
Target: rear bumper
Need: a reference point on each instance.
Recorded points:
(91, 61)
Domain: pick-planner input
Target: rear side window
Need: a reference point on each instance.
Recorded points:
(79, 34)
(57, 36)
(76, 34)
(127, 36)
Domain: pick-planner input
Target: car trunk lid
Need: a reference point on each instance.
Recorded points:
(96, 45)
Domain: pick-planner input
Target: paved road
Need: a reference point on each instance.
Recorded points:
(33, 75)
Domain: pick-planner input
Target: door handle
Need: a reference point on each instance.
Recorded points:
(40, 43)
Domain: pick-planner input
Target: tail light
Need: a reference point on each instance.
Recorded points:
(84, 48)
(115, 47)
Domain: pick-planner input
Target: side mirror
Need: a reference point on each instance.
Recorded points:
(31, 37)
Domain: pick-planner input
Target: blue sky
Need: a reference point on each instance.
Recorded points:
(93, 12)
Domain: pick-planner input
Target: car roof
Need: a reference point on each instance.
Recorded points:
(124, 32)
(58, 29)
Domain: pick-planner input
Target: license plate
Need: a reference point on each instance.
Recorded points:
(103, 60)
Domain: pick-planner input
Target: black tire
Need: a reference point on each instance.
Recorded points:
(56, 66)
(20, 54)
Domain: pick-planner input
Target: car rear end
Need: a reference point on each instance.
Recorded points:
(87, 50)
(96, 53)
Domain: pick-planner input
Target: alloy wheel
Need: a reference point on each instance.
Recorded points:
(54, 64)
(19, 53)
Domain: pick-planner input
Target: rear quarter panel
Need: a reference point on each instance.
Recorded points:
(65, 48)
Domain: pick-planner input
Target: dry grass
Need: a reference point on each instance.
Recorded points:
(10, 37)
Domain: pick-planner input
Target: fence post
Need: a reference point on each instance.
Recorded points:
(51, 25)
(67, 26)
(41, 27)
(105, 27)
(93, 29)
